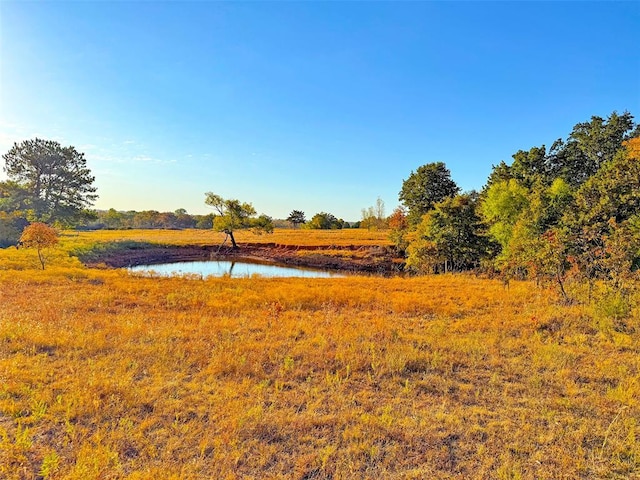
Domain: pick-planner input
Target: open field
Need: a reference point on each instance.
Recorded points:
(326, 238)
(106, 375)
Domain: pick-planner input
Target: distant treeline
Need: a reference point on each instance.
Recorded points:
(117, 220)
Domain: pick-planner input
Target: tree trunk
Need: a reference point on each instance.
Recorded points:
(233, 240)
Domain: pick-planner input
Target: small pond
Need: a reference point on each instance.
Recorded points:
(236, 269)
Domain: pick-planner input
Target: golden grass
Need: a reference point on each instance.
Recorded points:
(302, 237)
(107, 375)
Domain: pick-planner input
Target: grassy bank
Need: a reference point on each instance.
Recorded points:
(106, 375)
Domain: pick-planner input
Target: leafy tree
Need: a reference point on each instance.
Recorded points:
(606, 209)
(499, 173)
(204, 222)
(296, 217)
(428, 185)
(56, 180)
(590, 145)
(531, 166)
(449, 238)
(325, 221)
(235, 215)
(501, 208)
(613, 192)
(113, 219)
(39, 236)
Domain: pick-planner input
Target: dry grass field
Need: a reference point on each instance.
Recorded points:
(327, 238)
(106, 375)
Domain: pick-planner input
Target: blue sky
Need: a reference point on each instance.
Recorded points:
(314, 106)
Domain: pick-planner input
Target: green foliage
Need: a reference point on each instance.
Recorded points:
(425, 187)
(296, 217)
(590, 145)
(262, 224)
(605, 223)
(503, 205)
(572, 211)
(449, 238)
(50, 181)
(499, 173)
(325, 221)
(529, 167)
(235, 215)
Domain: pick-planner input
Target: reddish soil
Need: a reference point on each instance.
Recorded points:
(364, 259)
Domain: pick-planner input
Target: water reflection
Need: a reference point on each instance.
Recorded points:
(236, 269)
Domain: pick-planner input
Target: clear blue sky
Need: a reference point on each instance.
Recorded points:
(315, 106)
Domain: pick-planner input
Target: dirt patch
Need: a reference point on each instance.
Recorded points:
(360, 259)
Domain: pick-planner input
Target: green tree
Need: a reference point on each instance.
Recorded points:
(501, 208)
(606, 209)
(296, 217)
(499, 173)
(204, 222)
(39, 236)
(590, 145)
(58, 183)
(428, 185)
(531, 166)
(112, 218)
(449, 238)
(234, 215)
(325, 221)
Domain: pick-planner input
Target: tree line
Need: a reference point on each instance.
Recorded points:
(572, 210)
(568, 210)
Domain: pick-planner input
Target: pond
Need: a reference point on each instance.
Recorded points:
(236, 269)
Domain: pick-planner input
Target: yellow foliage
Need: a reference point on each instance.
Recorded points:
(633, 147)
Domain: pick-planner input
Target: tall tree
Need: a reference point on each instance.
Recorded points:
(235, 215)
(607, 209)
(590, 145)
(428, 185)
(450, 237)
(501, 208)
(296, 217)
(529, 167)
(57, 179)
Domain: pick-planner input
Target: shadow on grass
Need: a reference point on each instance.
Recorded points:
(98, 252)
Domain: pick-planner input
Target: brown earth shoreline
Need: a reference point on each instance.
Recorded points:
(378, 260)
